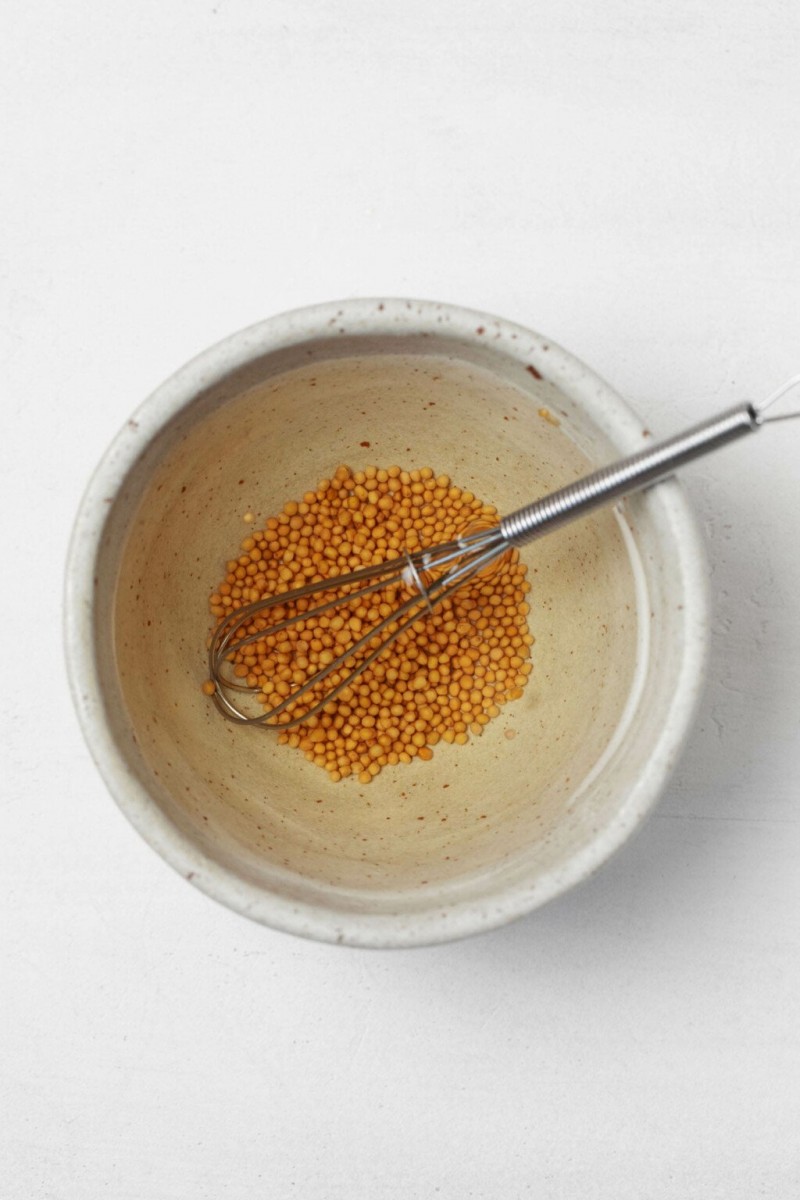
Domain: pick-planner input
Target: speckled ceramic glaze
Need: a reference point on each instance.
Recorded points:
(429, 851)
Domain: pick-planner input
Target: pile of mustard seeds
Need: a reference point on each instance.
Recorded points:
(442, 680)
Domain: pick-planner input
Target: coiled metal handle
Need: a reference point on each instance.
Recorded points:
(628, 475)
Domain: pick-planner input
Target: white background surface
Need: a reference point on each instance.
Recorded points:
(620, 176)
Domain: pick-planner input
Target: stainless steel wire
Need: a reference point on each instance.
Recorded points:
(429, 576)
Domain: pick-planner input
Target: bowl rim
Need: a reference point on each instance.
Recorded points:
(377, 316)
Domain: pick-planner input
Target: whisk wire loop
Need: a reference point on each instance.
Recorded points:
(426, 597)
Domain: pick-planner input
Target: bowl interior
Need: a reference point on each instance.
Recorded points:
(520, 801)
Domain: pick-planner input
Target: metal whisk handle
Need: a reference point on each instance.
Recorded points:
(628, 475)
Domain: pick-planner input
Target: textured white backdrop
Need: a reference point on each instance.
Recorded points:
(621, 176)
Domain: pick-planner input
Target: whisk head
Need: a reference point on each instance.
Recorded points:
(421, 580)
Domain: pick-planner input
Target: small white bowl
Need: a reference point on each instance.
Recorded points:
(427, 852)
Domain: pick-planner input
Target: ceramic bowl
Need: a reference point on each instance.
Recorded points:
(429, 851)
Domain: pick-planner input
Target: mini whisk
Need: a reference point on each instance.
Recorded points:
(433, 574)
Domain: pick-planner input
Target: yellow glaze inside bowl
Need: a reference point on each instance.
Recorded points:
(473, 806)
